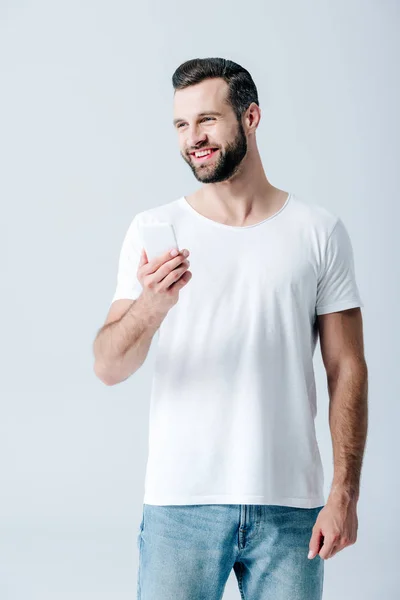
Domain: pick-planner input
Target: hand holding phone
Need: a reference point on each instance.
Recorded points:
(162, 274)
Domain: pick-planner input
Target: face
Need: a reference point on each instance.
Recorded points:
(198, 128)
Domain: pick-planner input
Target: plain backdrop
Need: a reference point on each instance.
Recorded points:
(86, 142)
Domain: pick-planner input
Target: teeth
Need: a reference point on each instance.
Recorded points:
(204, 153)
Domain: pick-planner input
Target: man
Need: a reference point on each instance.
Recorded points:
(234, 476)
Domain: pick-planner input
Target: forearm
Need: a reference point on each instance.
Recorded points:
(348, 421)
(121, 347)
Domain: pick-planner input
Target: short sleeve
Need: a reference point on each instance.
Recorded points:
(337, 288)
(128, 285)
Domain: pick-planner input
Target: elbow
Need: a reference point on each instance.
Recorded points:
(103, 375)
(108, 378)
(350, 368)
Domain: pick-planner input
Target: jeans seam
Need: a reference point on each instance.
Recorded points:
(240, 579)
(139, 569)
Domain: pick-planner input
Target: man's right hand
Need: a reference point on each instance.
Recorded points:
(163, 277)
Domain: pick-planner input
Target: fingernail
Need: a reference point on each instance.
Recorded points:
(174, 252)
(310, 554)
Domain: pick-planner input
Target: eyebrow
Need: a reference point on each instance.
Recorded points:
(202, 114)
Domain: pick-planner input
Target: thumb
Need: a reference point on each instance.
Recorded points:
(143, 258)
(315, 541)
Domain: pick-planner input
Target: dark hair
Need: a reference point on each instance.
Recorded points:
(242, 90)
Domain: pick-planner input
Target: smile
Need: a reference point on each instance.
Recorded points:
(204, 157)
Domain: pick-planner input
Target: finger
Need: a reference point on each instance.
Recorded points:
(174, 275)
(143, 258)
(334, 551)
(328, 546)
(165, 269)
(182, 281)
(156, 262)
(316, 542)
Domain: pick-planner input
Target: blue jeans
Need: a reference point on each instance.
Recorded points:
(186, 552)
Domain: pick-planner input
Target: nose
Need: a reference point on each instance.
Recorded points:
(195, 139)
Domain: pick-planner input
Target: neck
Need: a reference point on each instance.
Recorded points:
(248, 194)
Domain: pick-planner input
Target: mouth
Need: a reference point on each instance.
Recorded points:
(204, 157)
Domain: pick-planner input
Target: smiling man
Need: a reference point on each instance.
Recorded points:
(211, 164)
(234, 478)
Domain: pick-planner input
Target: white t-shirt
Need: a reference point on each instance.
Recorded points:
(233, 399)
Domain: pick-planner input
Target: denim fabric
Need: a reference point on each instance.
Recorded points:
(186, 552)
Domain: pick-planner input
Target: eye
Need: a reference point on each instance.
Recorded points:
(204, 119)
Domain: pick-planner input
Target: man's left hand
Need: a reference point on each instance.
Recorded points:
(335, 528)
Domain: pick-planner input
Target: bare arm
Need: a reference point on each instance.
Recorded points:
(343, 355)
(341, 340)
(121, 346)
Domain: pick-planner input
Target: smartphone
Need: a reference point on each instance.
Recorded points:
(158, 238)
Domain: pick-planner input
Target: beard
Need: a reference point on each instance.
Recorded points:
(227, 163)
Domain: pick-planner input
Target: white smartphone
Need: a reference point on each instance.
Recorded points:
(158, 238)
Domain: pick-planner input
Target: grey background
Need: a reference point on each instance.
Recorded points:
(86, 142)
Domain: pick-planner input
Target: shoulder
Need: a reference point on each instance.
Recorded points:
(313, 217)
(159, 213)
